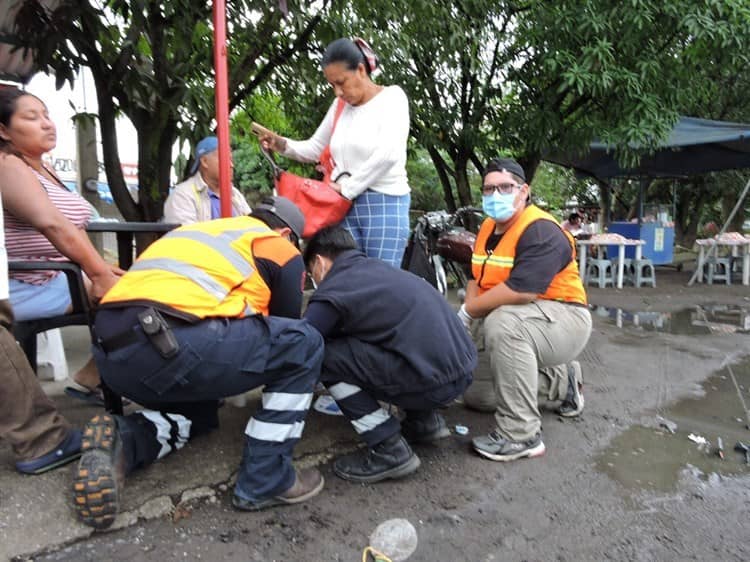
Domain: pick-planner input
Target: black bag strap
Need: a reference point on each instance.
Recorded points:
(274, 166)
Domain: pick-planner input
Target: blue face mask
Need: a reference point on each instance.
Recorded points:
(499, 207)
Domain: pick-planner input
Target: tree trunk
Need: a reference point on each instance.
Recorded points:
(681, 221)
(530, 163)
(728, 201)
(462, 180)
(690, 200)
(112, 167)
(154, 165)
(445, 181)
(632, 210)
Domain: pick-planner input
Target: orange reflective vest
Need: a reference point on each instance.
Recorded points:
(203, 269)
(494, 267)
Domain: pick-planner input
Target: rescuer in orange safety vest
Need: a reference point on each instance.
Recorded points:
(527, 289)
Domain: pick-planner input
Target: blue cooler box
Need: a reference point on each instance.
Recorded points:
(659, 240)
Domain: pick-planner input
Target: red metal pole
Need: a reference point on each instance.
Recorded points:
(222, 105)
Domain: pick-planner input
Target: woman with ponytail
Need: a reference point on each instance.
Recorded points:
(367, 128)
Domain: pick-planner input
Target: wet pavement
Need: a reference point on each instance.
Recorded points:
(654, 457)
(615, 484)
(692, 321)
(704, 434)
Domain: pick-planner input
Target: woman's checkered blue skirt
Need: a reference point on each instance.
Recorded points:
(380, 225)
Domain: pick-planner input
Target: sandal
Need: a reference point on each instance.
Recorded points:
(93, 396)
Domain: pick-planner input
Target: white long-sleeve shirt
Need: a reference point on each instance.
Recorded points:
(369, 143)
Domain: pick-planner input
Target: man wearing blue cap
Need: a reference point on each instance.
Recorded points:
(197, 199)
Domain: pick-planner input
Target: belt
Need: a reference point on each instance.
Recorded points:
(131, 335)
(123, 339)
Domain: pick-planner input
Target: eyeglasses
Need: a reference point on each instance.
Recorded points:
(502, 188)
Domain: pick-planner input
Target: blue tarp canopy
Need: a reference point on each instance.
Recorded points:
(695, 146)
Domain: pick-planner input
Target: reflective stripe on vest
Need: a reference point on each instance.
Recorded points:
(499, 261)
(191, 272)
(223, 243)
(494, 267)
(203, 269)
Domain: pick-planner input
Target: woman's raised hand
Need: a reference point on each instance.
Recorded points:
(268, 139)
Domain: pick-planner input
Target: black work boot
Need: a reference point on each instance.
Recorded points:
(100, 477)
(424, 427)
(391, 458)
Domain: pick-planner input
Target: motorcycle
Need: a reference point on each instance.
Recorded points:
(440, 247)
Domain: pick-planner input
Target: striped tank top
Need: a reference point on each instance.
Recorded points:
(24, 242)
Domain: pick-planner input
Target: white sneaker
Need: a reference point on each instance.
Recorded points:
(572, 406)
(325, 404)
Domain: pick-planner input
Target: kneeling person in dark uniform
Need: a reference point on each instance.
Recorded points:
(208, 311)
(389, 336)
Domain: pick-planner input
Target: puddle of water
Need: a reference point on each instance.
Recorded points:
(652, 458)
(694, 321)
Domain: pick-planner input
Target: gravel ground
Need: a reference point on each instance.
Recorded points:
(562, 506)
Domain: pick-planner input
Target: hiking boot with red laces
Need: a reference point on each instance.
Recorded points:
(100, 476)
(308, 483)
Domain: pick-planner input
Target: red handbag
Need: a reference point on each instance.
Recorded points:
(320, 204)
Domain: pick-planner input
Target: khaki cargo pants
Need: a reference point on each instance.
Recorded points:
(527, 347)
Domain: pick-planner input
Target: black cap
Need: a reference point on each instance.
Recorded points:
(287, 211)
(504, 165)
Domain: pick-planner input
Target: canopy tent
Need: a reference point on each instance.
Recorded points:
(695, 146)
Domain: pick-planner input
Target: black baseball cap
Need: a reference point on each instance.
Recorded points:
(506, 165)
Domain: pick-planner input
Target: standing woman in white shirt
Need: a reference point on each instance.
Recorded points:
(368, 147)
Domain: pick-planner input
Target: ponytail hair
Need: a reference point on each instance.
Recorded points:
(352, 53)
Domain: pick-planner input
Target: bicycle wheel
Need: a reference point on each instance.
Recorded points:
(440, 275)
(459, 273)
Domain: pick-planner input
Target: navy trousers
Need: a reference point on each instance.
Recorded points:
(354, 372)
(218, 357)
